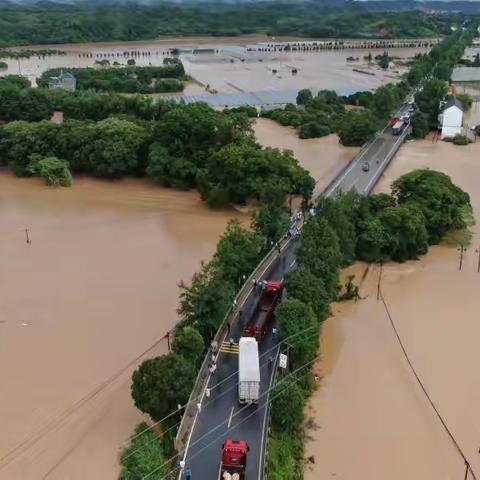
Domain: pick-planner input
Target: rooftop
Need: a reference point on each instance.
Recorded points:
(453, 102)
(466, 74)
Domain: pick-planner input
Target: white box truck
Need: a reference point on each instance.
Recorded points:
(248, 371)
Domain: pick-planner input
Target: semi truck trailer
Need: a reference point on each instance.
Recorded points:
(248, 371)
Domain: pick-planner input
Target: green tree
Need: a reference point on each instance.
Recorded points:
(407, 224)
(320, 252)
(428, 100)
(238, 252)
(356, 127)
(375, 243)
(287, 406)
(131, 61)
(297, 323)
(384, 60)
(313, 130)
(55, 171)
(169, 170)
(189, 343)
(204, 303)
(466, 99)
(440, 201)
(304, 97)
(303, 285)
(383, 102)
(161, 383)
(271, 222)
(119, 148)
(339, 214)
(144, 456)
(420, 124)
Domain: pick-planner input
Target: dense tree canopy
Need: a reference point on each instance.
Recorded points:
(357, 127)
(131, 79)
(441, 202)
(47, 23)
(161, 383)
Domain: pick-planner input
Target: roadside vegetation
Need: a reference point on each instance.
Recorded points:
(423, 206)
(167, 78)
(46, 23)
(325, 113)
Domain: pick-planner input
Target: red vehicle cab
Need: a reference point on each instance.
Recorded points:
(234, 459)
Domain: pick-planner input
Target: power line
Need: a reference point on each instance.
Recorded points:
(57, 421)
(452, 438)
(283, 379)
(173, 412)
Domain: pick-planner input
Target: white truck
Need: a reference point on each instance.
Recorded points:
(248, 371)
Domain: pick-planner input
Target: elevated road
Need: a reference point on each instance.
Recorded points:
(221, 416)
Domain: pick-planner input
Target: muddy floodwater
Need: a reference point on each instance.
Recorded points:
(323, 157)
(95, 288)
(231, 68)
(370, 418)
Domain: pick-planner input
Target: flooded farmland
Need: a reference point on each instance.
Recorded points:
(224, 72)
(96, 287)
(370, 417)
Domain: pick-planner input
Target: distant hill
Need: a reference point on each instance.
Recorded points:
(469, 7)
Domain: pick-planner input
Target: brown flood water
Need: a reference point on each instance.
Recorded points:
(371, 419)
(94, 289)
(323, 157)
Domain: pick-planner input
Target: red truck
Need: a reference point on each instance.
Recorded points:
(260, 321)
(234, 459)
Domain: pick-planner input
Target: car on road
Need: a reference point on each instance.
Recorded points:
(366, 166)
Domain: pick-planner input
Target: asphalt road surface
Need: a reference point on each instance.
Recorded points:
(221, 416)
(377, 155)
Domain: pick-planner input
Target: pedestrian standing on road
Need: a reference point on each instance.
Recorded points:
(199, 407)
(214, 368)
(254, 283)
(270, 361)
(182, 466)
(179, 408)
(207, 392)
(274, 332)
(234, 303)
(214, 346)
(188, 474)
(232, 342)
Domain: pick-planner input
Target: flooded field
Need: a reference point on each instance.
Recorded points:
(324, 69)
(96, 287)
(316, 70)
(371, 418)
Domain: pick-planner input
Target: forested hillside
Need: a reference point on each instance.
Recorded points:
(52, 23)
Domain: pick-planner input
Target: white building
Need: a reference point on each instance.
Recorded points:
(451, 118)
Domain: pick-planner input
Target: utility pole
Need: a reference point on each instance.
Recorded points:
(27, 236)
(461, 249)
(478, 264)
(467, 468)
